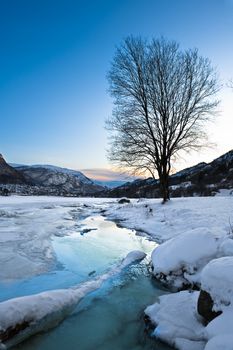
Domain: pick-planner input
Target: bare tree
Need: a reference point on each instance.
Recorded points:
(163, 96)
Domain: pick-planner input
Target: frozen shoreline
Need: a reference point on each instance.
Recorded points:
(28, 225)
(84, 242)
(195, 234)
(24, 316)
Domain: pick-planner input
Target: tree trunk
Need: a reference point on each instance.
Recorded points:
(164, 186)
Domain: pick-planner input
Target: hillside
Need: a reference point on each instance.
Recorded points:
(9, 175)
(46, 180)
(202, 180)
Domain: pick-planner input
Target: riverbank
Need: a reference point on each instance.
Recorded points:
(39, 236)
(52, 246)
(196, 253)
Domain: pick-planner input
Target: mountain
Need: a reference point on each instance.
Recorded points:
(202, 180)
(49, 180)
(110, 183)
(10, 175)
(79, 174)
(55, 170)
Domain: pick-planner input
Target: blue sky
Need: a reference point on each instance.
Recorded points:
(54, 59)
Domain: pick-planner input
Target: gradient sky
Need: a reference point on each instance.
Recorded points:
(54, 59)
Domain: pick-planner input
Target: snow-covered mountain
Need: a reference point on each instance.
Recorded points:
(202, 180)
(47, 180)
(110, 183)
(55, 169)
(8, 174)
(78, 174)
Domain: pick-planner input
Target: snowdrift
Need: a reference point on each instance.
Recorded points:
(24, 316)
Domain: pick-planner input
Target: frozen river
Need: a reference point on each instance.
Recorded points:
(49, 244)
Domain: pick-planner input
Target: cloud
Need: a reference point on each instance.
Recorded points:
(103, 174)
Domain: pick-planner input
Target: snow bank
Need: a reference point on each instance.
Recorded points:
(176, 320)
(220, 342)
(175, 316)
(24, 316)
(180, 215)
(201, 253)
(226, 247)
(27, 226)
(192, 231)
(180, 259)
(29, 200)
(221, 324)
(224, 192)
(217, 280)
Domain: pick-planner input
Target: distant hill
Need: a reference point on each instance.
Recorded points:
(48, 180)
(202, 180)
(110, 183)
(10, 175)
(79, 174)
(55, 170)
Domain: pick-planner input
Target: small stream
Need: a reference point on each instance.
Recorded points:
(111, 317)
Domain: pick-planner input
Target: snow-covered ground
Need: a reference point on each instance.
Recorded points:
(180, 215)
(178, 323)
(197, 249)
(53, 252)
(35, 313)
(27, 225)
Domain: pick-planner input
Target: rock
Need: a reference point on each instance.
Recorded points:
(10, 332)
(205, 306)
(149, 326)
(123, 201)
(4, 192)
(86, 230)
(92, 273)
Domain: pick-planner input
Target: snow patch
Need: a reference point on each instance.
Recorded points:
(182, 257)
(217, 280)
(220, 342)
(44, 310)
(224, 192)
(176, 320)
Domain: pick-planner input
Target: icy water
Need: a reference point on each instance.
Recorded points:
(111, 317)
